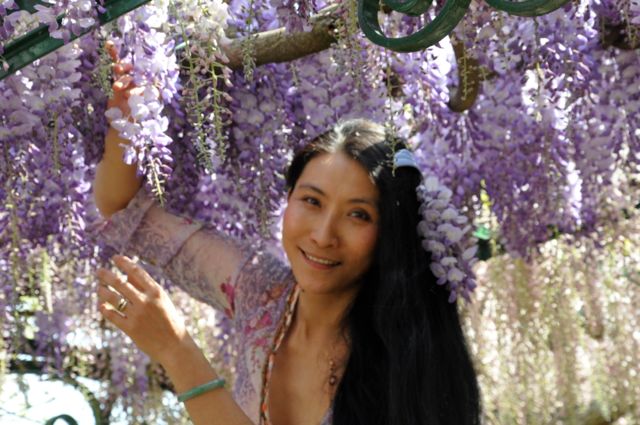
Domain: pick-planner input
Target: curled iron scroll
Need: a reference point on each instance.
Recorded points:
(451, 14)
(436, 30)
(528, 8)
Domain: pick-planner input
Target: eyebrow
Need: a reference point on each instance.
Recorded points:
(353, 200)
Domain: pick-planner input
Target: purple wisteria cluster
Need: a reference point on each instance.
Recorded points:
(46, 198)
(259, 115)
(634, 12)
(446, 235)
(202, 31)
(155, 72)
(8, 26)
(79, 15)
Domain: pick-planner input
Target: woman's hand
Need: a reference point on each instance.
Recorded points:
(123, 86)
(116, 181)
(148, 316)
(152, 322)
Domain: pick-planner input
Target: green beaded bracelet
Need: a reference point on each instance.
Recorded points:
(194, 392)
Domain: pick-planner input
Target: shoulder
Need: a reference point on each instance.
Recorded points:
(263, 281)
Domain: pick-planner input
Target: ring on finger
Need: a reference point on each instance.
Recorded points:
(122, 304)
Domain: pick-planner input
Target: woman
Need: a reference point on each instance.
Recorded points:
(356, 331)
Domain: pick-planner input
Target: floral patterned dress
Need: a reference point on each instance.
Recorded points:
(252, 287)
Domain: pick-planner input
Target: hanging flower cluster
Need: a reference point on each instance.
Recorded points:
(201, 29)
(634, 12)
(259, 138)
(446, 237)
(78, 16)
(155, 72)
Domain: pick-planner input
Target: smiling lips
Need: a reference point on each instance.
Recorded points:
(318, 261)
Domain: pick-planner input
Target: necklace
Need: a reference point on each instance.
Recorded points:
(292, 300)
(333, 377)
(268, 367)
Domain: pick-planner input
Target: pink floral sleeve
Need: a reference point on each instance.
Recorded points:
(199, 259)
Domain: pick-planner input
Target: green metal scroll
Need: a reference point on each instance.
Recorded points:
(529, 8)
(37, 43)
(28, 5)
(450, 15)
(436, 30)
(411, 7)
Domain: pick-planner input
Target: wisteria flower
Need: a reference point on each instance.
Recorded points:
(446, 237)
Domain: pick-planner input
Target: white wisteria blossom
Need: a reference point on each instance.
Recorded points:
(447, 237)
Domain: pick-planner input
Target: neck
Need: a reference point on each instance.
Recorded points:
(318, 319)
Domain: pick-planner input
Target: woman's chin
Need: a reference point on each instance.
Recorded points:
(324, 288)
(319, 288)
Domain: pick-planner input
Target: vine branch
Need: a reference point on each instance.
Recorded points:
(469, 79)
(278, 46)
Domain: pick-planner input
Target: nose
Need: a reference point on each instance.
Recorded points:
(324, 233)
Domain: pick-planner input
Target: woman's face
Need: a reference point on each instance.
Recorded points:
(330, 225)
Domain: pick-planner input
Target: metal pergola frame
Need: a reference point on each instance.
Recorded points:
(37, 43)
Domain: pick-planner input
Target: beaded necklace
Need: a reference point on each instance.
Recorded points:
(268, 367)
(290, 307)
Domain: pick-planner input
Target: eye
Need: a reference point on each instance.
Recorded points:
(362, 215)
(310, 200)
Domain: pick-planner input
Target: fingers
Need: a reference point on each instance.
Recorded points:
(107, 295)
(136, 275)
(126, 87)
(122, 82)
(122, 68)
(123, 288)
(111, 49)
(136, 91)
(112, 315)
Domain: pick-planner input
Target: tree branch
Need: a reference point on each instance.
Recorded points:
(277, 46)
(29, 364)
(469, 79)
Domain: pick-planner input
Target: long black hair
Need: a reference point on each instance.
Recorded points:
(408, 363)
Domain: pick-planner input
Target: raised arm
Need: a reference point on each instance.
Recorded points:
(116, 182)
(199, 260)
(203, 262)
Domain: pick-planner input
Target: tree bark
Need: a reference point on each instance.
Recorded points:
(278, 46)
(465, 94)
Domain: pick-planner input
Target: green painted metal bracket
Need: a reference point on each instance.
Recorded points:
(529, 8)
(410, 7)
(28, 5)
(452, 12)
(436, 30)
(37, 43)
